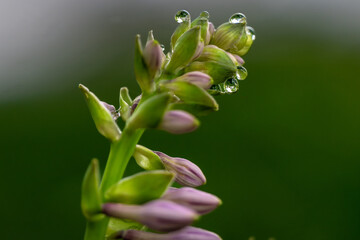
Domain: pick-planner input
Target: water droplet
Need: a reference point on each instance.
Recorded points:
(162, 47)
(250, 31)
(231, 85)
(241, 73)
(182, 16)
(205, 14)
(237, 18)
(115, 115)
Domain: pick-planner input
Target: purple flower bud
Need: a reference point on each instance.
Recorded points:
(197, 78)
(187, 233)
(178, 122)
(199, 201)
(153, 56)
(160, 215)
(112, 110)
(186, 172)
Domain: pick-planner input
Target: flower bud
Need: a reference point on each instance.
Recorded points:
(187, 47)
(240, 61)
(142, 74)
(197, 78)
(187, 233)
(178, 122)
(250, 32)
(214, 62)
(186, 172)
(199, 201)
(104, 121)
(230, 36)
(203, 22)
(153, 56)
(160, 215)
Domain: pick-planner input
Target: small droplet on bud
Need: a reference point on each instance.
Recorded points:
(251, 31)
(241, 73)
(231, 85)
(205, 14)
(182, 16)
(237, 18)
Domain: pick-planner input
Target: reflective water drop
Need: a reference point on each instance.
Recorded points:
(205, 14)
(115, 115)
(231, 85)
(251, 31)
(237, 18)
(162, 47)
(241, 73)
(182, 16)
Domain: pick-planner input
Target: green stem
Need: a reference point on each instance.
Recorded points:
(120, 154)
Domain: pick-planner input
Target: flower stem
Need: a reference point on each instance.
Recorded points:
(120, 154)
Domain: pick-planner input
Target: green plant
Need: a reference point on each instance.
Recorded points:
(176, 88)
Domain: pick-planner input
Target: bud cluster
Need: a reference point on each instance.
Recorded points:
(176, 88)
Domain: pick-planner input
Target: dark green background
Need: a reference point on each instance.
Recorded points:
(282, 153)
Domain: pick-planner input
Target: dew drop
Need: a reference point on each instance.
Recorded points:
(205, 14)
(241, 73)
(182, 16)
(231, 85)
(250, 31)
(237, 18)
(162, 47)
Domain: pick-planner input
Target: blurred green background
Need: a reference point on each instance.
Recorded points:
(282, 153)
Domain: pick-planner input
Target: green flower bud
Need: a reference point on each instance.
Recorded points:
(142, 75)
(90, 193)
(231, 36)
(203, 22)
(187, 47)
(250, 32)
(214, 62)
(101, 115)
(150, 112)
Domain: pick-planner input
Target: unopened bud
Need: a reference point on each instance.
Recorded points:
(187, 233)
(199, 201)
(104, 120)
(214, 62)
(153, 56)
(230, 36)
(250, 32)
(186, 172)
(178, 122)
(160, 215)
(197, 78)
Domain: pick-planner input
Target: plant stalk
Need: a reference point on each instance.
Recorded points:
(119, 156)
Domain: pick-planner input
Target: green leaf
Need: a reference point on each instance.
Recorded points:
(147, 159)
(90, 194)
(140, 188)
(190, 93)
(125, 103)
(150, 112)
(102, 117)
